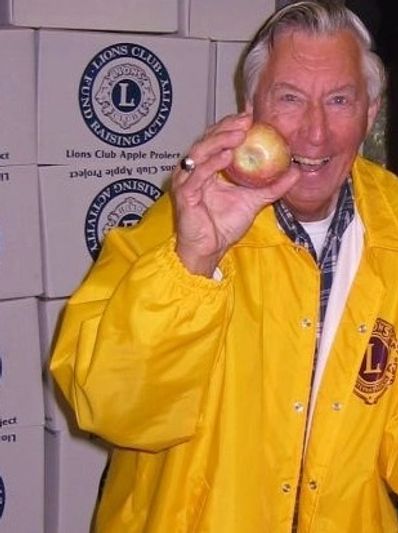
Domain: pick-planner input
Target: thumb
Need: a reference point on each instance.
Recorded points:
(274, 190)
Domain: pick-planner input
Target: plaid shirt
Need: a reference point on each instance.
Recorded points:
(327, 262)
(330, 252)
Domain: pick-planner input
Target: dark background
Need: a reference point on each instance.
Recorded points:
(383, 24)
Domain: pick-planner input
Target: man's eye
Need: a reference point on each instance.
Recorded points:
(289, 97)
(339, 100)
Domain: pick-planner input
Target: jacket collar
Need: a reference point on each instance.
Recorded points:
(375, 197)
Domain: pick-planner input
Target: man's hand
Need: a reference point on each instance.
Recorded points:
(211, 214)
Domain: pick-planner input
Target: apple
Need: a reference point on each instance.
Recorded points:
(261, 158)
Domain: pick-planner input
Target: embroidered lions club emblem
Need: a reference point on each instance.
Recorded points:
(379, 364)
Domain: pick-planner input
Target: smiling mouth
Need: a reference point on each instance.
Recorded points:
(309, 164)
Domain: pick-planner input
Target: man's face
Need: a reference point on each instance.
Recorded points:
(314, 92)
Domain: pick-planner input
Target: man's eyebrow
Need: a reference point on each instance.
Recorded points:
(348, 87)
(344, 88)
(284, 85)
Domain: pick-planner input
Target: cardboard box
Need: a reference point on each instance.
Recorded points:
(228, 94)
(58, 414)
(74, 468)
(119, 15)
(20, 248)
(21, 391)
(235, 20)
(18, 97)
(106, 97)
(80, 204)
(22, 480)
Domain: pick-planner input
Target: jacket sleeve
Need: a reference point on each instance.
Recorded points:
(137, 344)
(389, 452)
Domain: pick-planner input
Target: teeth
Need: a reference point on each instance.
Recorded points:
(308, 161)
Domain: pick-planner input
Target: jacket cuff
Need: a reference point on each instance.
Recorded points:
(167, 257)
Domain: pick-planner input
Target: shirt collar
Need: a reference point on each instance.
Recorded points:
(343, 215)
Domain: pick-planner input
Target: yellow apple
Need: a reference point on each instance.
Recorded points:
(261, 158)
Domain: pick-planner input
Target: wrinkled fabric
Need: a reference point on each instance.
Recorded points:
(199, 383)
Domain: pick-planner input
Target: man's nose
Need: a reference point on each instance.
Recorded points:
(315, 124)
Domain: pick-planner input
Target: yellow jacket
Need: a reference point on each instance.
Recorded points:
(200, 384)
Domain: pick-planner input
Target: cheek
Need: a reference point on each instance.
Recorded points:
(347, 136)
(286, 124)
(334, 135)
(288, 120)
(349, 127)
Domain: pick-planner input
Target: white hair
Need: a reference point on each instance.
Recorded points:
(322, 17)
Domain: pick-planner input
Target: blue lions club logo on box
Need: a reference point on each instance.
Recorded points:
(125, 95)
(2, 496)
(119, 204)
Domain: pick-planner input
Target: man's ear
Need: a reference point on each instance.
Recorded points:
(248, 107)
(372, 113)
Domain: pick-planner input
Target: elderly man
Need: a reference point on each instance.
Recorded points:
(238, 346)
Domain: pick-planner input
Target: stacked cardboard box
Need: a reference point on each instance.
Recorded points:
(115, 115)
(222, 20)
(21, 418)
(100, 100)
(19, 201)
(21, 394)
(118, 15)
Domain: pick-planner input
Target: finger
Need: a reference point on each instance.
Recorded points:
(217, 143)
(274, 190)
(217, 149)
(229, 122)
(225, 135)
(192, 183)
(228, 133)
